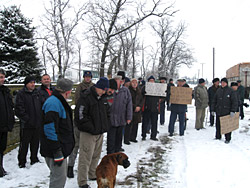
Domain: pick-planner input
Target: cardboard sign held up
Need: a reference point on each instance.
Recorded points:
(228, 124)
(156, 89)
(181, 95)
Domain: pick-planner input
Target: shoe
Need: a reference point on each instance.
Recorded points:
(227, 141)
(92, 179)
(85, 186)
(155, 139)
(143, 138)
(21, 165)
(197, 129)
(128, 143)
(211, 125)
(148, 132)
(70, 172)
(217, 138)
(33, 162)
(121, 149)
(171, 134)
(135, 141)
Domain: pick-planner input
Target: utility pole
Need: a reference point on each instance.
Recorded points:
(213, 62)
(202, 69)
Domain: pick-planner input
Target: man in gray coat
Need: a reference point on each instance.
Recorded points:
(120, 115)
(201, 103)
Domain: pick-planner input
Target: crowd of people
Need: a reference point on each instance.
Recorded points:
(114, 106)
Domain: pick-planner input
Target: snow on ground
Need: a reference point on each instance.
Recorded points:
(193, 161)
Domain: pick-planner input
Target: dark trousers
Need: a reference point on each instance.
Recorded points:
(3, 142)
(218, 130)
(133, 131)
(28, 137)
(211, 117)
(114, 139)
(152, 117)
(162, 113)
(241, 111)
(173, 117)
(127, 133)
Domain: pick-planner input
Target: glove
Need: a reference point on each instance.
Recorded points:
(58, 157)
(232, 114)
(213, 113)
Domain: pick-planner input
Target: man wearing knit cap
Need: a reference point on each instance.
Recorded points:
(28, 109)
(150, 113)
(241, 91)
(7, 119)
(91, 118)
(120, 115)
(85, 84)
(211, 92)
(201, 103)
(224, 103)
(127, 82)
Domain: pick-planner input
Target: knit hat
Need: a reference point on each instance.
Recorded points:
(216, 80)
(29, 79)
(234, 84)
(127, 79)
(238, 81)
(224, 80)
(103, 83)
(2, 72)
(133, 79)
(121, 73)
(87, 73)
(64, 84)
(112, 84)
(171, 79)
(151, 77)
(180, 80)
(201, 80)
(162, 78)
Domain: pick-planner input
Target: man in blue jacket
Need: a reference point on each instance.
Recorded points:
(57, 136)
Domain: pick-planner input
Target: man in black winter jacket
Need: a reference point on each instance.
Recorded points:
(211, 93)
(225, 103)
(6, 118)
(28, 109)
(46, 88)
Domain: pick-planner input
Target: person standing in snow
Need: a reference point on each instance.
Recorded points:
(28, 109)
(225, 103)
(241, 91)
(201, 103)
(57, 136)
(211, 93)
(86, 83)
(170, 83)
(46, 88)
(162, 102)
(7, 119)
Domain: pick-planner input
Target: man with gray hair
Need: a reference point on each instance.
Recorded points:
(57, 135)
(6, 118)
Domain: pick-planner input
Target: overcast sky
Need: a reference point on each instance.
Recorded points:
(222, 24)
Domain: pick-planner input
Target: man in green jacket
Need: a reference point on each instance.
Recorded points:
(201, 103)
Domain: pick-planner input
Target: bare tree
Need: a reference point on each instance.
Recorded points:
(107, 18)
(59, 26)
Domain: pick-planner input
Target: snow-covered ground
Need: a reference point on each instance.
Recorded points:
(193, 161)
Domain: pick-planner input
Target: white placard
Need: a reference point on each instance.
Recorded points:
(156, 89)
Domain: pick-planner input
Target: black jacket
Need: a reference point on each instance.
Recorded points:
(137, 101)
(169, 92)
(91, 112)
(7, 119)
(211, 93)
(225, 101)
(28, 108)
(43, 93)
(151, 102)
(57, 129)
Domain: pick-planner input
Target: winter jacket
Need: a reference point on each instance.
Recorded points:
(7, 119)
(57, 129)
(200, 96)
(168, 92)
(151, 103)
(239, 101)
(28, 108)
(137, 101)
(211, 93)
(91, 113)
(241, 91)
(225, 101)
(44, 93)
(121, 109)
(81, 87)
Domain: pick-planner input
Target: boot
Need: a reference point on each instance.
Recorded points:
(70, 173)
(2, 171)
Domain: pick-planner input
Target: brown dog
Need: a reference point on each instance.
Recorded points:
(107, 169)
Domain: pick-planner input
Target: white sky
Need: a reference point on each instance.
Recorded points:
(222, 24)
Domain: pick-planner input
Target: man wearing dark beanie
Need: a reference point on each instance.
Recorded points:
(91, 118)
(224, 103)
(211, 92)
(201, 103)
(28, 109)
